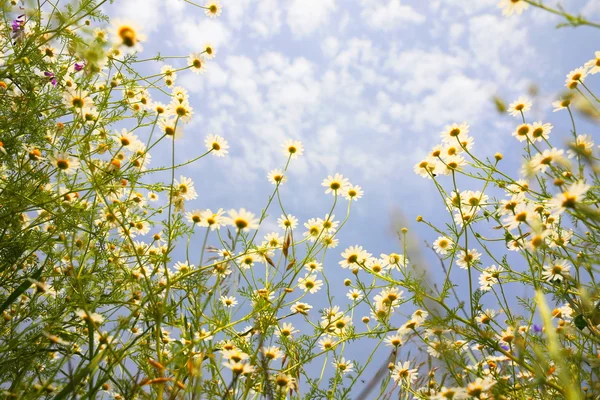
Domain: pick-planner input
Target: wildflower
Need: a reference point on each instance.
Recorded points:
(293, 148)
(540, 131)
(284, 382)
(300, 308)
(213, 9)
(216, 145)
(93, 317)
(485, 317)
(354, 255)
(582, 145)
(181, 110)
(467, 259)
(522, 105)
(343, 366)
(556, 271)
(376, 264)
(507, 336)
(388, 298)
(209, 51)
(287, 222)
(542, 161)
(522, 213)
(523, 132)
(242, 220)
(287, 330)
(510, 7)
(488, 278)
(561, 104)
(183, 267)
(314, 266)
(568, 198)
(394, 259)
(127, 140)
(354, 295)
(239, 368)
(327, 343)
(273, 240)
(196, 63)
(64, 163)
(451, 164)
(575, 77)
(352, 192)
(593, 66)
(194, 217)
(480, 386)
(77, 99)
(184, 187)
(453, 132)
(310, 283)
(403, 373)
(127, 36)
(442, 244)
(335, 183)
(393, 340)
(276, 177)
(426, 168)
(272, 352)
(247, 260)
(212, 220)
(450, 393)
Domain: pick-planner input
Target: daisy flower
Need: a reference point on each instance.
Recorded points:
(272, 352)
(452, 163)
(523, 132)
(455, 131)
(64, 163)
(561, 104)
(212, 220)
(286, 330)
(403, 373)
(228, 301)
(310, 283)
(194, 217)
(593, 65)
(442, 244)
(510, 7)
(582, 145)
(127, 36)
(575, 77)
(77, 99)
(467, 259)
(485, 317)
(354, 295)
(242, 220)
(540, 131)
(556, 271)
(353, 192)
(213, 9)
(314, 266)
(196, 63)
(568, 198)
(426, 168)
(216, 145)
(327, 343)
(49, 53)
(209, 52)
(276, 177)
(394, 340)
(300, 308)
(293, 148)
(542, 161)
(184, 187)
(343, 366)
(247, 260)
(169, 73)
(354, 255)
(170, 128)
(181, 110)
(127, 140)
(287, 222)
(335, 183)
(488, 278)
(522, 105)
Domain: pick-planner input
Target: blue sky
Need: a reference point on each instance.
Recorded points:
(367, 86)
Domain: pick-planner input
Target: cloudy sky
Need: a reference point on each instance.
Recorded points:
(367, 86)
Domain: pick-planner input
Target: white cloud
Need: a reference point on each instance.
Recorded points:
(392, 15)
(330, 46)
(192, 34)
(146, 13)
(306, 16)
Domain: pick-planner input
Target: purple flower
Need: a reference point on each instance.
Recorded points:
(48, 74)
(505, 347)
(79, 67)
(53, 81)
(537, 328)
(17, 24)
